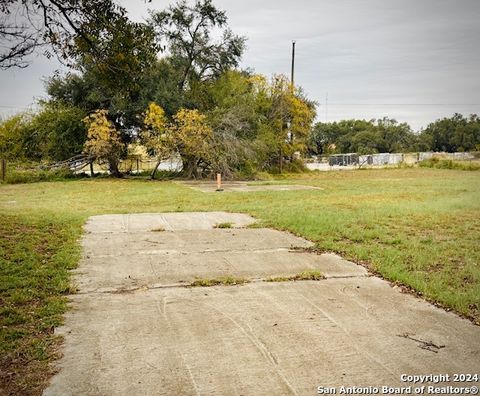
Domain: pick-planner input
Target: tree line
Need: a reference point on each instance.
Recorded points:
(457, 133)
(173, 86)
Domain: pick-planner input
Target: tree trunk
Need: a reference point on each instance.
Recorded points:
(114, 171)
(190, 168)
(152, 176)
(280, 161)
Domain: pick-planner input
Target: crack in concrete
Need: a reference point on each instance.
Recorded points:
(185, 285)
(204, 251)
(427, 345)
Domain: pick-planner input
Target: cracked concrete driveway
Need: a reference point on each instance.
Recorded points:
(136, 329)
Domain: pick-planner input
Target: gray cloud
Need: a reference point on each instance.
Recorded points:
(413, 60)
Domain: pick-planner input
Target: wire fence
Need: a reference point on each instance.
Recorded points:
(136, 166)
(354, 160)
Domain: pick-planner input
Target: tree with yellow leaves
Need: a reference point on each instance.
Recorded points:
(187, 135)
(289, 117)
(103, 140)
(302, 114)
(155, 135)
(192, 139)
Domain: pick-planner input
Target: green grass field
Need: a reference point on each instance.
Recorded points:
(419, 227)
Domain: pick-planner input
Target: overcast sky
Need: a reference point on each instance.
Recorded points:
(412, 60)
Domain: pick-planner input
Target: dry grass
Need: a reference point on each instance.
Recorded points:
(222, 281)
(302, 276)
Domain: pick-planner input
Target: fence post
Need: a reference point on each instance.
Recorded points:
(219, 182)
(4, 168)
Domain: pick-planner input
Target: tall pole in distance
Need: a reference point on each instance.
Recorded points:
(292, 79)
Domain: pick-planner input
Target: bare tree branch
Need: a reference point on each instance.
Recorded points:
(26, 25)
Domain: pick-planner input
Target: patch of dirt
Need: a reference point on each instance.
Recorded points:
(23, 375)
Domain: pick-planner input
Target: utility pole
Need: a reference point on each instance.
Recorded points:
(292, 79)
(292, 86)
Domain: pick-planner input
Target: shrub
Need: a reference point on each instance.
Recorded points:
(450, 164)
(18, 176)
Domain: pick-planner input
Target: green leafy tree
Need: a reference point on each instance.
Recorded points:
(394, 136)
(160, 85)
(457, 133)
(113, 78)
(363, 137)
(233, 120)
(13, 135)
(126, 51)
(187, 31)
(366, 142)
(323, 139)
(60, 131)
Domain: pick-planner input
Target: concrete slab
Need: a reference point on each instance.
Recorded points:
(163, 268)
(192, 241)
(284, 338)
(131, 332)
(239, 186)
(167, 221)
(151, 259)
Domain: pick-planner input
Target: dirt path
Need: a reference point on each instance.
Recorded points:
(136, 329)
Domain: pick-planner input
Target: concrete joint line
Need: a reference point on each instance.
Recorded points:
(206, 251)
(190, 285)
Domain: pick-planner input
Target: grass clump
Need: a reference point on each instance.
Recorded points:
(224, 225)
(308, 275)
(302, 276)
(223, 281)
